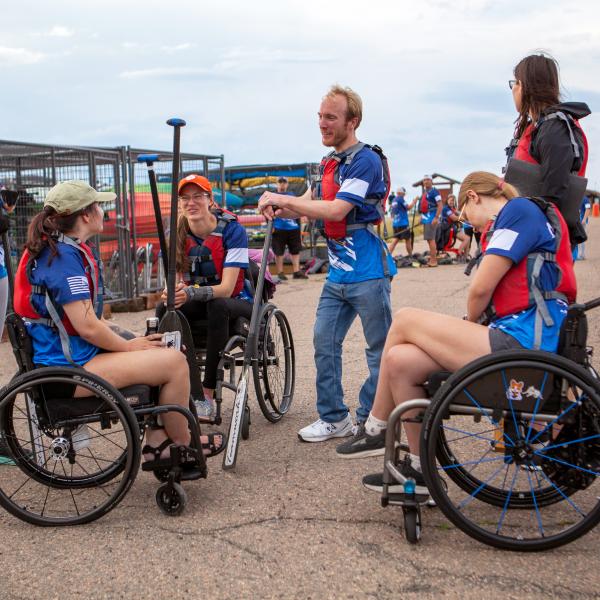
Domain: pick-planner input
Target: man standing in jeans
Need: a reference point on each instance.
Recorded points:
(348, 200)
(286, 232)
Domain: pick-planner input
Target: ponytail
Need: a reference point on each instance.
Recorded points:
(486, 184)
(46, 226)
(183, 230)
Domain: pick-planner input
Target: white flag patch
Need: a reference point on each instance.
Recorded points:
(78, 285)
(503, 239)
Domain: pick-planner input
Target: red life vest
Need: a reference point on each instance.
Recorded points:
(523, 149)
(206, 258)
(519, 288)
(329, 184)
(25, 289)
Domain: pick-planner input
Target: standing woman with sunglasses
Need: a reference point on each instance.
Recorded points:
(548, 134)
(212, 257)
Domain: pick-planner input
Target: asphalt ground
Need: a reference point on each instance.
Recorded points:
(293, 521)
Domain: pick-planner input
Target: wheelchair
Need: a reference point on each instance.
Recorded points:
(273, 364)
(509, 446)
(76, 455)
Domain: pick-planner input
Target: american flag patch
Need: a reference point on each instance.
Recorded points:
(78, 285)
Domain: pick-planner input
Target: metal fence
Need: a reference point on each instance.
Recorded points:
(128, 245)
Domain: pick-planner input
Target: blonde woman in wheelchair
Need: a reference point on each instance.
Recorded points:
(504, 310)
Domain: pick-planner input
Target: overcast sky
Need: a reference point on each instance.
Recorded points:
(248, 76)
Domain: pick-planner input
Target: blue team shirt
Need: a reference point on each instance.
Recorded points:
(359, 257)
(522, 228)
(399, 211)
(285, 224)
(3, 272)
(446, 212)
(433, 197)
(235, 244)
(65, 279)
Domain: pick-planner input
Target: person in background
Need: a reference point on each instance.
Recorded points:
(430, 206)
(548, 133)
(584, 215)
(286, 232)
(399, 209)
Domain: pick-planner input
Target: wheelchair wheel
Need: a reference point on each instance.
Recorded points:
(412, 523)
(530, 484)
(171, 499)
(75, 458)
(274, 370)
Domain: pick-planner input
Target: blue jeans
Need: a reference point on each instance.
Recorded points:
(338, 306)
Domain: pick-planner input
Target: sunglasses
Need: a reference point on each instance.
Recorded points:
(512, 83)
(461, 219)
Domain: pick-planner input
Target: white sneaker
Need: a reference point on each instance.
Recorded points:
(320, 430)
(80, 437)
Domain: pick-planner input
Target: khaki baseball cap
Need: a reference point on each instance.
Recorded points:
(68, 197)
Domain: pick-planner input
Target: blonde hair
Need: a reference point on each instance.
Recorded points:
(353, 100)
(485, 184)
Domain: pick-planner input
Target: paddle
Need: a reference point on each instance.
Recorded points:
(241, 395)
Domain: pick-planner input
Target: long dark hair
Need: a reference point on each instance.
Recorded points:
(540, 88)
(46, 226)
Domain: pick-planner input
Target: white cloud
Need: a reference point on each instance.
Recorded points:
(60, 31)
(178, 47)
(166, 72)
(19, 56)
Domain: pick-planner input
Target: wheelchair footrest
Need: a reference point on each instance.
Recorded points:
(404, 500)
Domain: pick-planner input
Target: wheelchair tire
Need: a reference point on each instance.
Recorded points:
(274, 367)
(245, 432)
(533, 458)
(59, 479)
(412, 523)
(171, 499)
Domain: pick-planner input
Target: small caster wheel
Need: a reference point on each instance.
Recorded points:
(171, 499)
(385, 501)
(412, 523)
(246, 423)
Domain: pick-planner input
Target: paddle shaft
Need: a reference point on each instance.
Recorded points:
(171, 273)
(258, 292)
(158, 217)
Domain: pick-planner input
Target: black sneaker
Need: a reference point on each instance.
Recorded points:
(374, 482)
(299, 275)
(282, 276)
(362, 445)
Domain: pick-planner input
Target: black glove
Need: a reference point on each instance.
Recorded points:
(199, 293)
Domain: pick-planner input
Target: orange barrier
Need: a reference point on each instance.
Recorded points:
(595, 210)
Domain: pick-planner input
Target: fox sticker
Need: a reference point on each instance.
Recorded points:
(515, 390)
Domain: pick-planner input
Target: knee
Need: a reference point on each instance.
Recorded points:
(176, 364)
(397, 361)
(404, 317)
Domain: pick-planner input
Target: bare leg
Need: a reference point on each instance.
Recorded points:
(393, 245)
(158, 366)
(409, 246)
(432, 252)
(296, 262)
(426, 342)
(279, 263)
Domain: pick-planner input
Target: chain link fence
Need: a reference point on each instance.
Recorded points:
(128, 245)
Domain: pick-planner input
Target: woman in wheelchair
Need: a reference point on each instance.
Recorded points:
(212, 258)
(517, 299)
(58, 292)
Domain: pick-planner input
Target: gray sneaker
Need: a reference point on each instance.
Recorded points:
(362, 445)
(374, 482)
(205, 408)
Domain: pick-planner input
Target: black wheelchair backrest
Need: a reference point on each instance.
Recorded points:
(572, 341)
(21, 342)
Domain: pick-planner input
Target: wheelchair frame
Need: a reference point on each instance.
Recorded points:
(570, 370)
